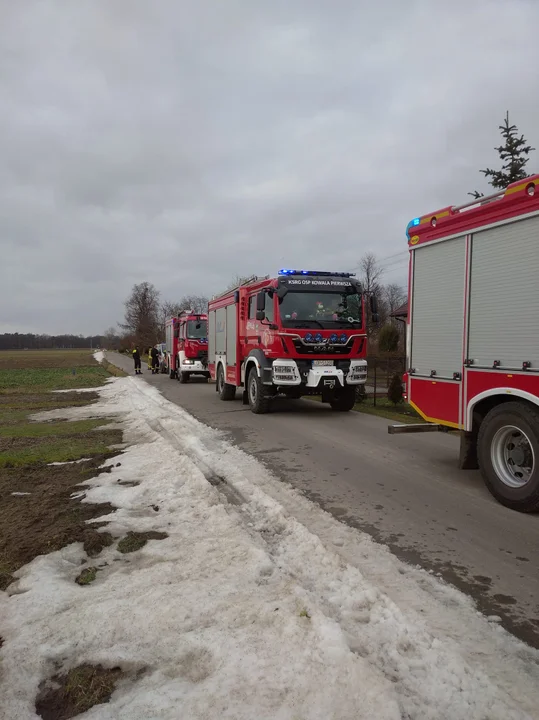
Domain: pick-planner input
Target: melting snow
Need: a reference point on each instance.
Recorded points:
(257, 605)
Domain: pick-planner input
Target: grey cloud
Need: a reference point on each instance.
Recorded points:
(185, 142)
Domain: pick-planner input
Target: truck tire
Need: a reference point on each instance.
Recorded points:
(508, 454)
(344, 400)
(183, 377)
(226, 391)
(259, 400)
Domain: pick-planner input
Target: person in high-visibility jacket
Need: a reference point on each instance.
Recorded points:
(136, 358)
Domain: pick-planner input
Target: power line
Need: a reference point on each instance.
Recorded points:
(400, 256)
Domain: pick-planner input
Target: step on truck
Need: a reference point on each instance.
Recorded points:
(301, 333)
(473, 335)
(187, 346)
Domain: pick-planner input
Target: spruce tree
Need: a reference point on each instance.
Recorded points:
(514, 154)
(394, 392)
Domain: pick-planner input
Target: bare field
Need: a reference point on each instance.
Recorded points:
(22, 359)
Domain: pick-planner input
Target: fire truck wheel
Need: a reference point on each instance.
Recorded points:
(508, 453)
(345, 400)
(259, 400)
(183, 377)
(226, 391)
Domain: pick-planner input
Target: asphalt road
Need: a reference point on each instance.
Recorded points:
(404, 490)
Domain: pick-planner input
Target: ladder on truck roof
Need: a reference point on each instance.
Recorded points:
(247, 281)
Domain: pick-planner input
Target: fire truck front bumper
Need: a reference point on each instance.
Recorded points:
(194, 366)
(287, 372)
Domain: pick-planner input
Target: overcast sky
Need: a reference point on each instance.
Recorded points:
(184, 142)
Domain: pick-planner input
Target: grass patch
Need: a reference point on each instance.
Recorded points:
(21, 451)
(87, 576)
(66, 696)
(134, 541)
(49, 429)
(402, 413)
(38, 514)
(28, 380)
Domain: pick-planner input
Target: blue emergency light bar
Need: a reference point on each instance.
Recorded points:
(322, 273)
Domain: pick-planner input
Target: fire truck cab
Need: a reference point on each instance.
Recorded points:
(472, 335)
(302, 333)
(187, 346)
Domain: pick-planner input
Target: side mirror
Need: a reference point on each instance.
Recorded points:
(282, 291)
(260, 315)
(260, 302)
(176, 332)
(374, 305)
(198, 326)
(375, 318)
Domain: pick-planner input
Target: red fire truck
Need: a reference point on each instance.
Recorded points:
(472, 335)
(187, 346)
(302, 333)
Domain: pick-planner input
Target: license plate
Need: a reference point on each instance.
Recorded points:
(322, 363)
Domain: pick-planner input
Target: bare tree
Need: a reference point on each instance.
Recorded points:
(168, 309)
(142, 314)
(196, 303)
(111, 338)
(394, 296)
(371, 273)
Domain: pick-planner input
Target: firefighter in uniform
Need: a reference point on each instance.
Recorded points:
(154, 356)
(136, 358)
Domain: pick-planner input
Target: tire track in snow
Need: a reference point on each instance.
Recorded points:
(431, 678)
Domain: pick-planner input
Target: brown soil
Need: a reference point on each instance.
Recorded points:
(20, 443)
(46, 400)
(66, 696)
(16, 359)
(48, 518)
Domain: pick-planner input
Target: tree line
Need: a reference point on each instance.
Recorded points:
(31, 341)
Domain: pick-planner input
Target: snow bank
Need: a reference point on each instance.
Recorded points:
(99, 355)
(243, 611)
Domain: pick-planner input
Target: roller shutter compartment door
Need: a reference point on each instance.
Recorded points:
(438, 308)
(504, 295)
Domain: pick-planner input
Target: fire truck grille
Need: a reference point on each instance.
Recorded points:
(323, 348)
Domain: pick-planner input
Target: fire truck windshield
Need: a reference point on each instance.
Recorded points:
(324, 309)
(196, 329)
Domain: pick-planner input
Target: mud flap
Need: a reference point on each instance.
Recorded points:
(468, 451)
